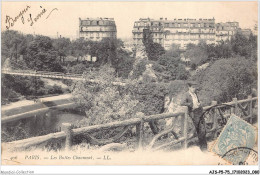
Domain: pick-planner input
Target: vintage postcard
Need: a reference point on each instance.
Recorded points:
(129, 83)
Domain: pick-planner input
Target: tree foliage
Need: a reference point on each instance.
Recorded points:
(153, 50)
(226, 79)
(103, 102)
(42, 56)
(62, 46)
(150, 95)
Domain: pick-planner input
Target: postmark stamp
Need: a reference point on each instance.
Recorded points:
(233, 154)
(236, 141)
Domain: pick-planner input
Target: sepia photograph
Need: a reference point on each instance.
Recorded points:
(129, 83)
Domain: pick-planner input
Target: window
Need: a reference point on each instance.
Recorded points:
(94, 22)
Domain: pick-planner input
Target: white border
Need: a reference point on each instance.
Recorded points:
(130, 169)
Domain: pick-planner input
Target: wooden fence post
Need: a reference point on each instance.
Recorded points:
(140, 134)
(215, 119)
(234, 110)
(67, 128)
(185, 128)
(250, 107)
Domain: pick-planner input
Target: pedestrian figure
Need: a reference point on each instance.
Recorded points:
(191, 100)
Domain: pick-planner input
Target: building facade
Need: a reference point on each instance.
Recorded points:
(225, 31)
(183, 31)
(177, 31)
(96, 29)
(245, 32)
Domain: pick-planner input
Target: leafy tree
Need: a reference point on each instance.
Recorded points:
(125, 63)
(197, 53)
(174, 51)
(138, 68)
(240, 45)
(171, 68)
(226, 79)
(12, 44)
(62, 46)
(42, 56)
(79, 48)
(153, 50)
(108, 51)
(103, 102)
(150, 95)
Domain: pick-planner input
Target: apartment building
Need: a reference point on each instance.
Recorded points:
(225, 31)
(183, 31)
(177, 31)
(96, 29)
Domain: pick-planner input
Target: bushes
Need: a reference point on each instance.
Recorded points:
(55, 89)
(103, 102)
(13, 87)
(226, 79)
(150, 95)
(139, 68)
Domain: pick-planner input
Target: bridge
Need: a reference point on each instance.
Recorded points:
(44, 74)
(21, 70)
(56, 75)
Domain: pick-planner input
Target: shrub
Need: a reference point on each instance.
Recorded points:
(226, 79)
(102, 102)
(150, 95)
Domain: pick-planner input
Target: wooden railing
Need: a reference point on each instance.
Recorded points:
(68, 133)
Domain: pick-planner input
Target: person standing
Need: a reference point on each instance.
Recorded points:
(191, 100)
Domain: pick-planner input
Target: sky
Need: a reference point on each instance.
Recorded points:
(62, 18)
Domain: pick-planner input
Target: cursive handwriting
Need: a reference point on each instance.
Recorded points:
(31, 18)
(11, 21)
(51, 12)
(38, 16)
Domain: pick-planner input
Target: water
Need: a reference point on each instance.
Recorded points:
(38, 125)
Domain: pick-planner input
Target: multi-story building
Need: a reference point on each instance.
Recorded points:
(96, 29)
(225, 31)
(177, 31)
(245, 32)
(184, 31)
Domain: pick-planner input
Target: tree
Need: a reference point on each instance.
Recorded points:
(124, 64)
(103, 102)
(226, 79)
(171, 68)
(42, 56)
(197, 53)
(12, 44)
(62, 46)
(153, 50)
(79, 48)
(240, 45)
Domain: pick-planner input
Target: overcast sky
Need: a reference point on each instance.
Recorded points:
(64, 18)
